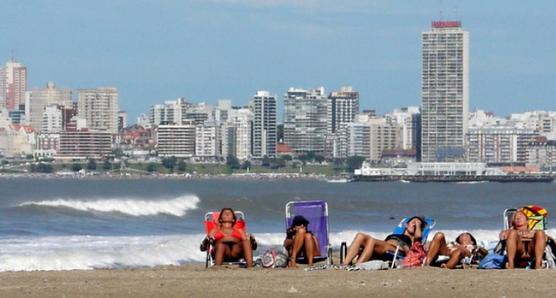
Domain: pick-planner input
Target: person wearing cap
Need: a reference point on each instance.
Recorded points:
(301, 242)
(365, 247)
(463, 247)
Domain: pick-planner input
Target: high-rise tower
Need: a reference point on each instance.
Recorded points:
(444, 92)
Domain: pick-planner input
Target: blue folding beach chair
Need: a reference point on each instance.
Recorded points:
(399, 229)
(316, 212)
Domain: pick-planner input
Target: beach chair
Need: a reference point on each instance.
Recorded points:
(316, 212)
(537, 219)
(211, 221)
(396, 256)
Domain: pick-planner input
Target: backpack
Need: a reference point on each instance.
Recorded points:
(493, 261)
(274, 258)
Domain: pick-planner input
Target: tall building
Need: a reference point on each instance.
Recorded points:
(307, 120)
(13, 84)
(444, 91)
(263, 108)
(176, 140)
(122, 120)
(236, 133)
(207, 140)
(99, 107)
(344, 105)
(52, 119)
(37, 100)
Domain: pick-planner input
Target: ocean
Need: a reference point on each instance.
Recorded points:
(65, 224)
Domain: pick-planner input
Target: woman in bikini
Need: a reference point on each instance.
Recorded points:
(300, 241)
(230, 243)
(366, 248)
(522, 244)
(463, 247)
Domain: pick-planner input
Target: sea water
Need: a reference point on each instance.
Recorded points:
(65, 224)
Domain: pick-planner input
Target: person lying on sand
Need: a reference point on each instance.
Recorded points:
(301, 242)
(523, 244)
(463, 247)
(230, 244)
(366, 248)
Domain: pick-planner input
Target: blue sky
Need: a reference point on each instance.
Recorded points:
(206, 50)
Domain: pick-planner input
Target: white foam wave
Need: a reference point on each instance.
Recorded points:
(95, 252)
(177, 206)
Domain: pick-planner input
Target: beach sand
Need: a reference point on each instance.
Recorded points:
(196, 281)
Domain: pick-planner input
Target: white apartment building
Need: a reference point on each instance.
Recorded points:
(444, 91)
(207, 140)
(344, 105)
(176, 140)
(542, 154)
(307, 120)
(263, 109)
(404, 118)
(99, 107)
(37, 100)
(498, 144)
(236, 133)
(52, 119)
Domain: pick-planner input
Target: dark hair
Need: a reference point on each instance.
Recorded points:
(420, 218)
(470, 236)
(227, 209)
(299, 220)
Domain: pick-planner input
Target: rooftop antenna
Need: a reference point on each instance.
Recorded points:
(13, 55)
(441, 8)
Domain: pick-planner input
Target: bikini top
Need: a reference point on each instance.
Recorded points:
(236, 233)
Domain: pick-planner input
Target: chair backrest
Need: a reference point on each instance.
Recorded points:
(537, 217)
(400, 228)
(316, 212)
(211, 220)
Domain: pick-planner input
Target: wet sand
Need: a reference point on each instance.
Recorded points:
(196, 281)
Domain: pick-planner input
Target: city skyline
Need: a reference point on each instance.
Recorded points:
(211, 50)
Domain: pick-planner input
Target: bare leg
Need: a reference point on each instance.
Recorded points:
(540, 244)
(247, 252)
(309, 248)
(511, 247)
(220, 251)
(374, 247)
(298, 241)
(358, 241)
(437, 246)
(455, 257)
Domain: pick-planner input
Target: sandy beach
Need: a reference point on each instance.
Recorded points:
(196, 281)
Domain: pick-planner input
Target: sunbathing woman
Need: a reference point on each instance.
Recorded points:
(369, 248)
(230, 244)
(461, 248)
(523, 244)
(300, 241)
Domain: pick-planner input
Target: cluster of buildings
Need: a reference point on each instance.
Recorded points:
(87, 123)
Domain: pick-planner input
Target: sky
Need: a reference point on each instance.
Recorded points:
(206, 50)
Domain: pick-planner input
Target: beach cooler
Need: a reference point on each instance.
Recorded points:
(211, 221)
(316, 212)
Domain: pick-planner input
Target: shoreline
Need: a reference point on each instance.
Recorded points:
(196, 281)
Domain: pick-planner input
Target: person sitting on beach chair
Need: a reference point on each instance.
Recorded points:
(231, 243)
(301, 242)
(523, 242)
(366, 248)
(463, 247)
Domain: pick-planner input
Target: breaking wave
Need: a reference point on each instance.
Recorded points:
(128, 206)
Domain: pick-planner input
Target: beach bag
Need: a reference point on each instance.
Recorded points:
(493, 261)
(274, 258)
(415, 256)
